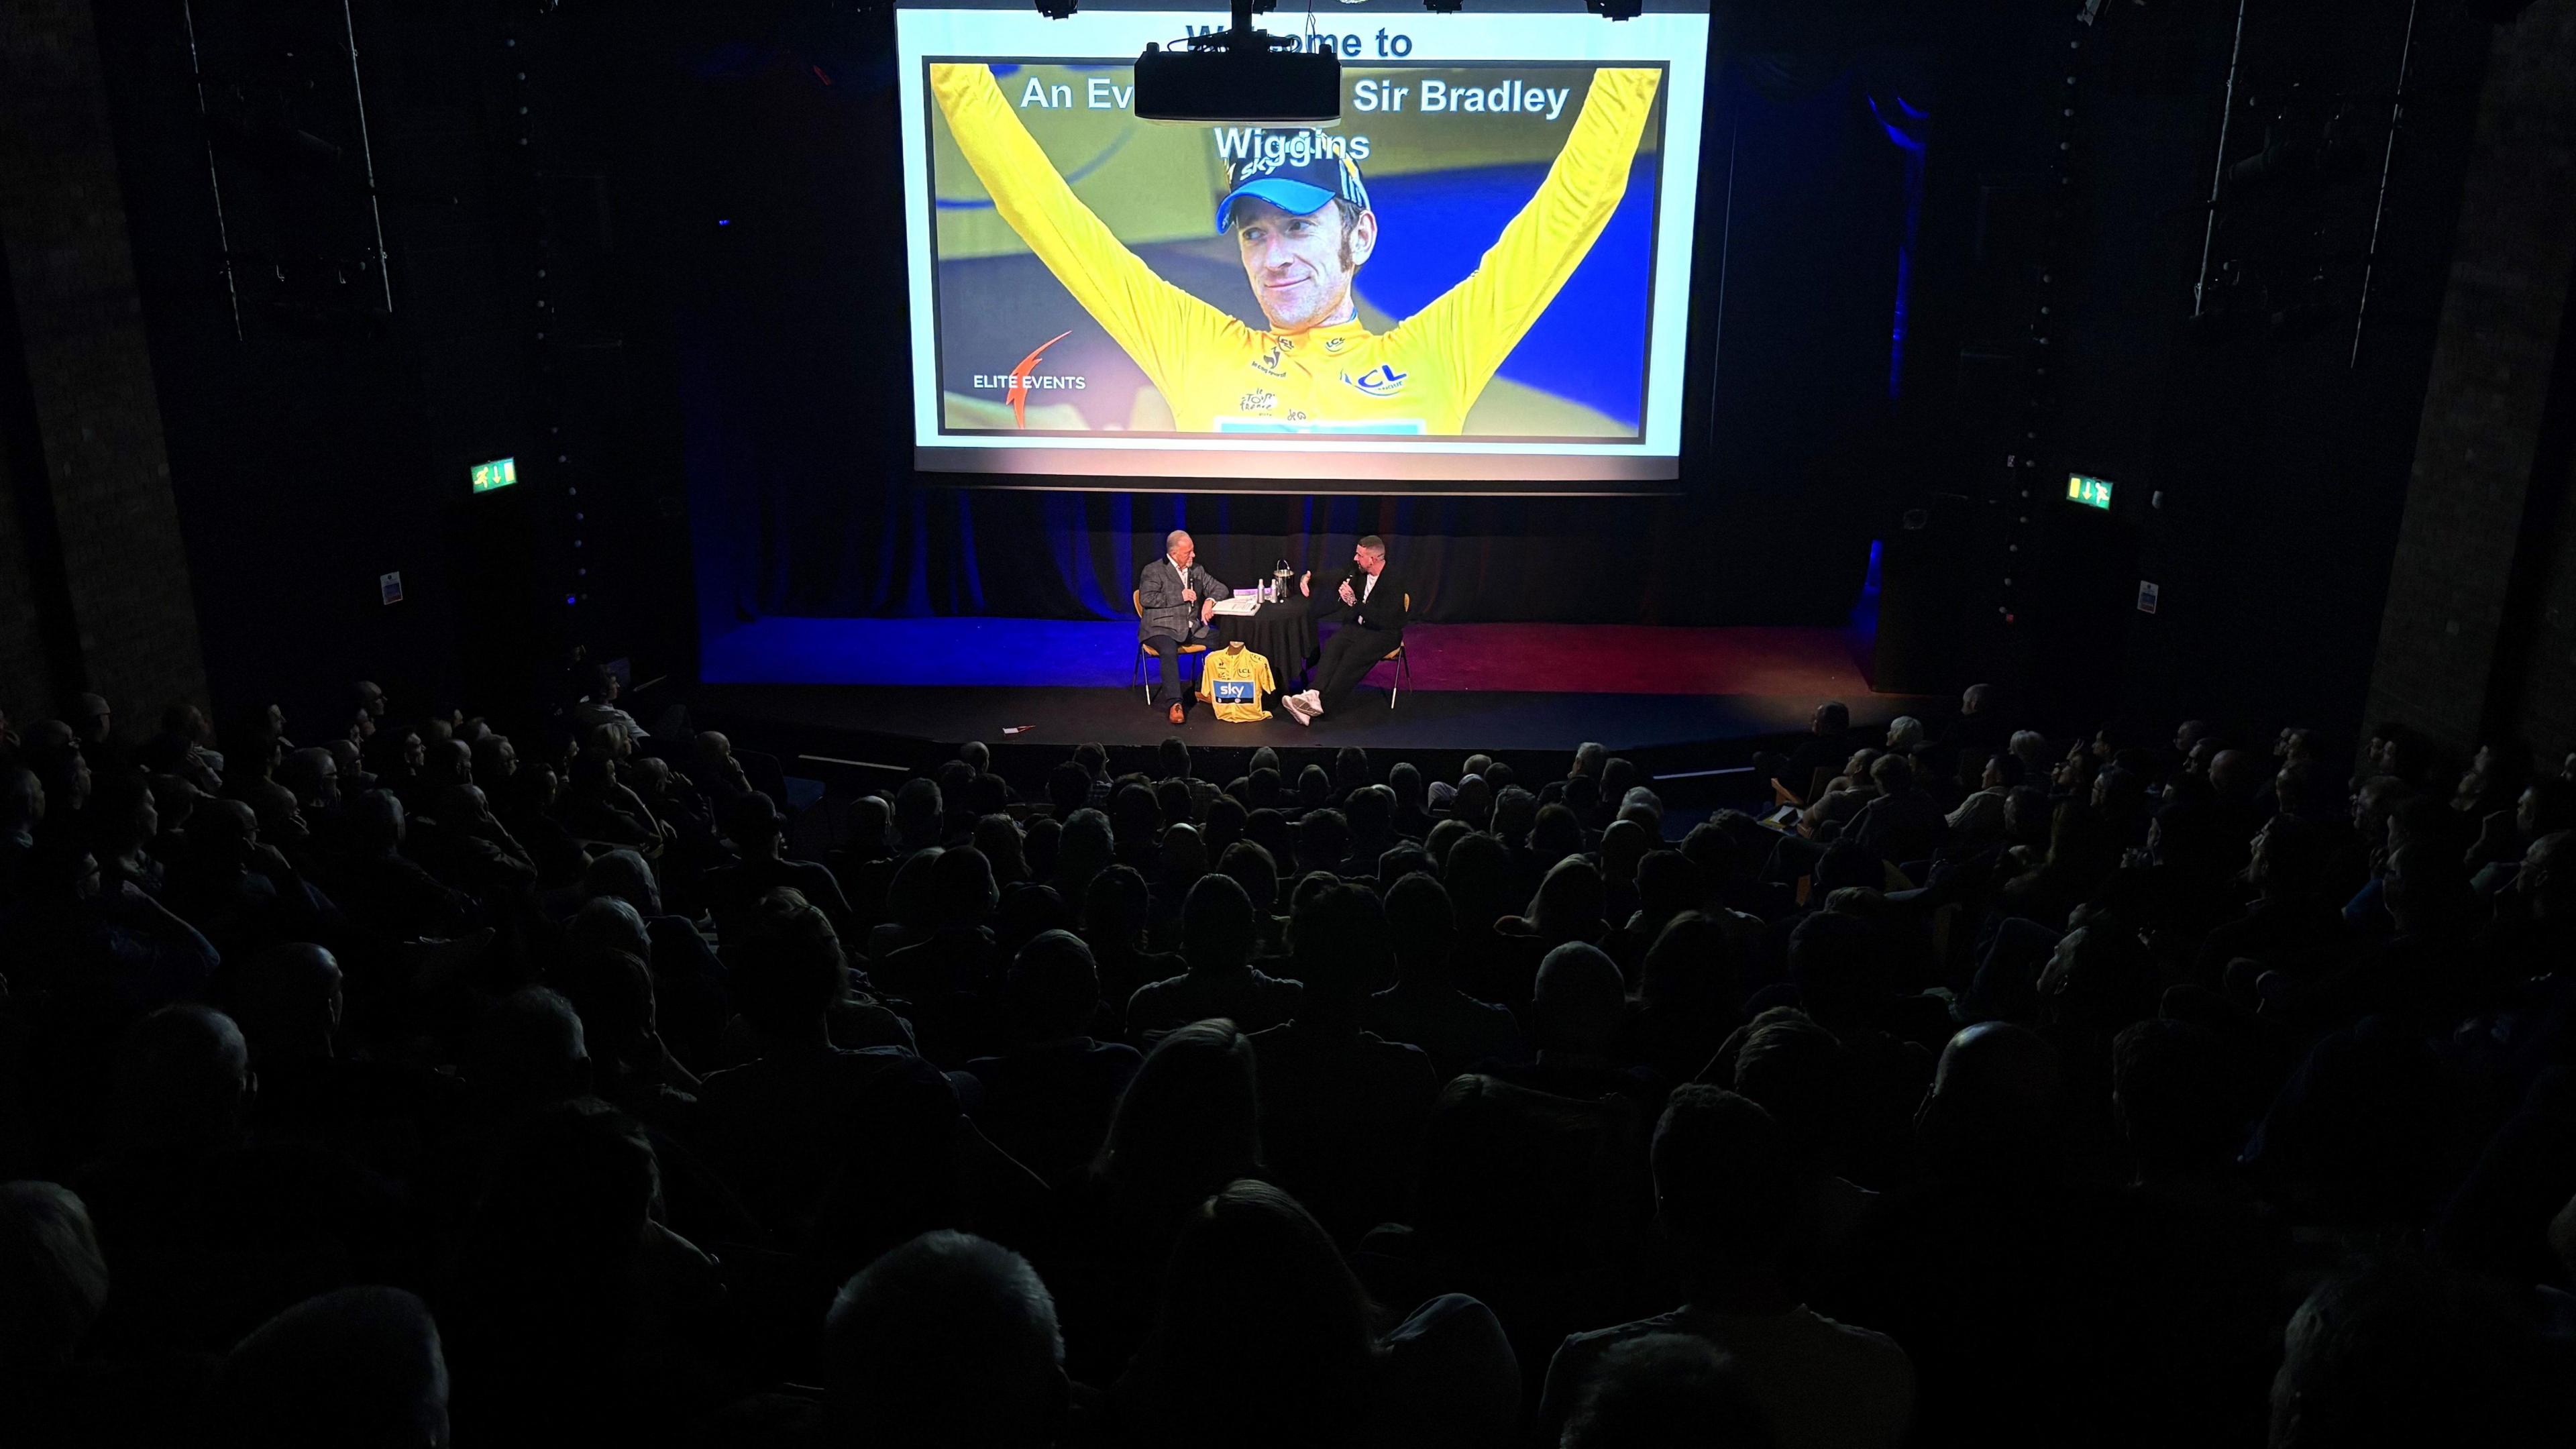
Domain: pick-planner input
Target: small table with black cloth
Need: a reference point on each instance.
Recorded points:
(1283, 631)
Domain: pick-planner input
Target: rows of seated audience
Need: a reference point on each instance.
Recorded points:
(421, 1084)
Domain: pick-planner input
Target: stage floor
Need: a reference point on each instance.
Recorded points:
(1500, 658)
(861, 684)
(1442, 719)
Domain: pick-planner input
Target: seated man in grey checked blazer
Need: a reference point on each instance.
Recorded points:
(1176, 598)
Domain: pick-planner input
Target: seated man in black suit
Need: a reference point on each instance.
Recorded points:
(1370, 604)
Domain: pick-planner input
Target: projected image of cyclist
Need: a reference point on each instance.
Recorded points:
(1297, 206)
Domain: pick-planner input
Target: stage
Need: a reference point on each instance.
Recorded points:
(884, 690)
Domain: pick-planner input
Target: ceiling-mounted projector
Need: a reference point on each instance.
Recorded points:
(1241, 77)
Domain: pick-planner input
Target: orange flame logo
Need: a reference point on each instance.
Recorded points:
(1020, 376)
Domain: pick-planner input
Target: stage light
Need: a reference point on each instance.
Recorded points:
(1615, 9)
(1058, 9)
(1444, 7)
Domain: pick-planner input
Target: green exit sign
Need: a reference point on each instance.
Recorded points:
(499, 473)
(2089, 491)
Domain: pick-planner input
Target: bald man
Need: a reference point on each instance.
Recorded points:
(1175, 599)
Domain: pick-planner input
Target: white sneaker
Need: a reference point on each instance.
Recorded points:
(1314, 701)
(1296, 705)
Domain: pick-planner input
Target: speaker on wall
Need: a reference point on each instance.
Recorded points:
(1923, 600)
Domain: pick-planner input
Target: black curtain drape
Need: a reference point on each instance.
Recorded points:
(804, 502)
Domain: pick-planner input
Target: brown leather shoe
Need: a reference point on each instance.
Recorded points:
(1177, 716)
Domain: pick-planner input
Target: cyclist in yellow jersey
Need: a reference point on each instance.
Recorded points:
(1299, 209)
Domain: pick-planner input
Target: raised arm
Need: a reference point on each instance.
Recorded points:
(1475, 325)
(1158, 324)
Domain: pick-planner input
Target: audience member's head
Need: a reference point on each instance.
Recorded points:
(1252, 867)
(1350, 769)
(1667, 884)
(1371, 812)
(1579, 1002)
(2547, 882)
(2171, 1094)
(1420, 927)
(1662, 1390)
(2393, 1351)
(1216, 925)
(1400, 860)
(1691, 966)
(1260, 1326)
(1226, 819)
(1479, 874)
(286, 999)
(1842, 969)
(918, 813)
(527, 1051)
(1323, 840)
(1405, 779)
(1474, 802)
(1339, 942)
(946, 1340)
(355, 1366)
(1189, 1122)
(1053, 987)
(1089, 847)
(753, 824)
(1623, 845)
(1994, 1098)
(788, 969)
(1184, 853)
(1068, 788)
(183, 1082)
(53, 1284)
(1802, 1076)
(1555, 833)
(962, 889)
(1728, 1189)
(1569, 902)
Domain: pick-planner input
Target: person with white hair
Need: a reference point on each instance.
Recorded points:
(2031, 748)
(1175, 599)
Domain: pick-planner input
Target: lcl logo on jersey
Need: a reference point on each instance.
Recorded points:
(1379, 381)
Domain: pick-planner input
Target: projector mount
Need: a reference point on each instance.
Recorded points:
(1241, 36)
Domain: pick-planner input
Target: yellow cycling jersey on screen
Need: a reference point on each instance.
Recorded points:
(1218, 375)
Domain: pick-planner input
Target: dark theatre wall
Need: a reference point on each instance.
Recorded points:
(736, 391)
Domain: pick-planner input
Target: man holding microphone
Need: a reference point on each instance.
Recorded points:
(1175, 600)
(1369, 603)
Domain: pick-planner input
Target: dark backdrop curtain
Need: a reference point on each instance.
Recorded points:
(793, 382)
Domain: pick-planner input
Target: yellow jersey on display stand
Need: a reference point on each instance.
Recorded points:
(1235, 680)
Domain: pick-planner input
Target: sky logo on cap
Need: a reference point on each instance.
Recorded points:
(1300, 172)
